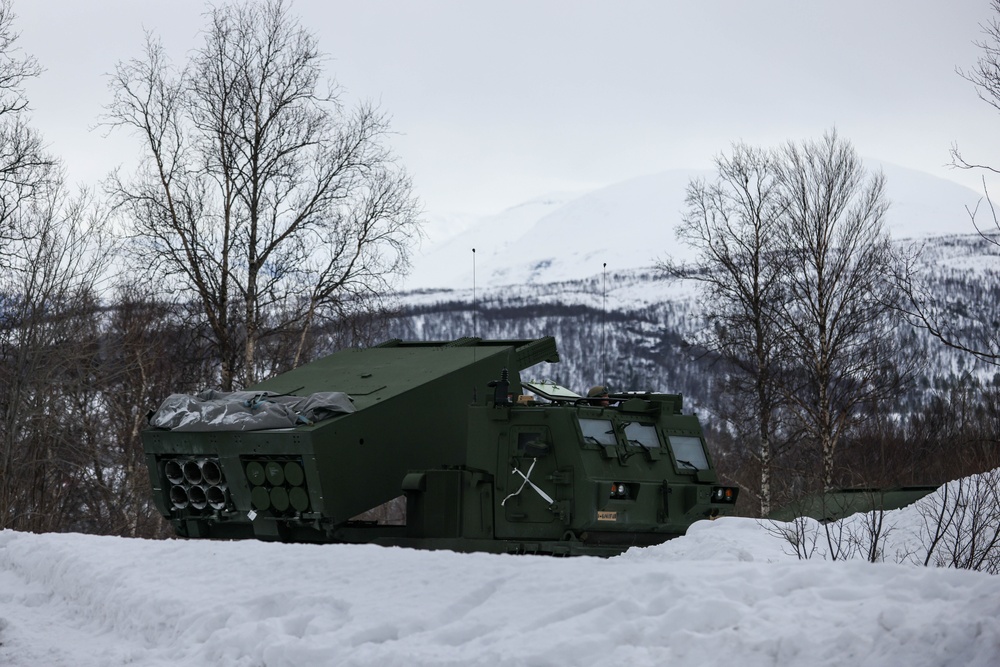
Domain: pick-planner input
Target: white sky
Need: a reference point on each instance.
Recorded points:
(498, 102)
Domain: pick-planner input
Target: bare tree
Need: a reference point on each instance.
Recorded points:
(51, 254)
(863, 535)
(946, 316)
(24, 165)
(732, 223)
(985, 76)
(797, 264)
(838, 309)
(961, 525)
(47, 345)
(802, 534)
(259, 195)
(145, 353)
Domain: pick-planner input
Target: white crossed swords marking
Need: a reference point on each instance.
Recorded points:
(528, 482)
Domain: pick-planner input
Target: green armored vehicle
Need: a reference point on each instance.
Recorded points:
(485, 461)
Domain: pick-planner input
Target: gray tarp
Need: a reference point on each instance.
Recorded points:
(246, 410)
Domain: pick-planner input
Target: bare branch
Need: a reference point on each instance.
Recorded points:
(259, 195)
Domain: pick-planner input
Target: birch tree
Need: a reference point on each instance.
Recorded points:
(732, 222)
(259, 195)
(25, 167)
(839, 305)
(798, 266)
(964, 326)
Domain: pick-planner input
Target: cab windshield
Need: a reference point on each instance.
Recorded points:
(598, 431)
(689, 452)
(643, 435)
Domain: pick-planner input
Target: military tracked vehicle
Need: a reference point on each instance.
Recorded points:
(485, 461)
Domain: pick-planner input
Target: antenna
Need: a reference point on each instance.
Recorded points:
(604, 327)
(475, 322)
(475, 305)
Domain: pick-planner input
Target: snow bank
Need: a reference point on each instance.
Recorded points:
(727, 592)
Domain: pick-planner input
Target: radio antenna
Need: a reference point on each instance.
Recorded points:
(604, 327)
(475, 321)
(475, 305)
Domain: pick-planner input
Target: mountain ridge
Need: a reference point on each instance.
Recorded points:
(631, 224)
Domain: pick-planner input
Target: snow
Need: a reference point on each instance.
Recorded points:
(631, 225)
(729, 592)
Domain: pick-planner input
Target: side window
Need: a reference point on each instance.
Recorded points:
(598, 431)
(688, 452)
(530, 440)
(642, 434)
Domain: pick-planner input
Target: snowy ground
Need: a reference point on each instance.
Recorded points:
(728, 593)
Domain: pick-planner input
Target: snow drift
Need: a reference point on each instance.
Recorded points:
(729, 592)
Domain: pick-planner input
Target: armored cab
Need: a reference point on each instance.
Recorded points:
(486, 461)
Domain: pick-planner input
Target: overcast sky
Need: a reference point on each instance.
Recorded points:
(498, 102)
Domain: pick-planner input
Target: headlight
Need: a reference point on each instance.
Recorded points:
(725, 494)
(620, 490)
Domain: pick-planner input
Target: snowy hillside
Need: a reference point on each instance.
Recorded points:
(729, 592)
(539, 271)
(629, 225)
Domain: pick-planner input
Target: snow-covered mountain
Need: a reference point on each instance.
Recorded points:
(631, 224)
(539, 270)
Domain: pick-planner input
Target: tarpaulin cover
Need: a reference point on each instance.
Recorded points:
(213, 410)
